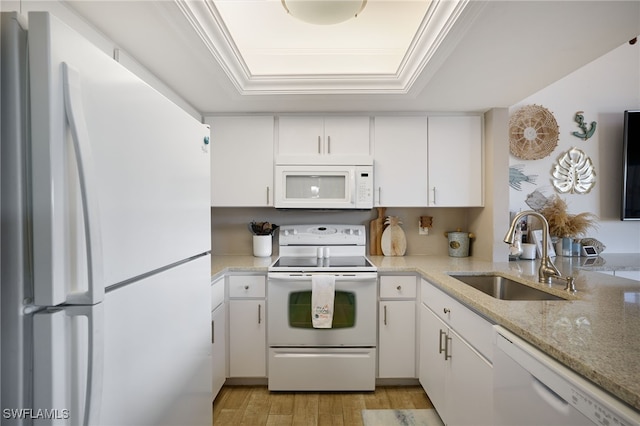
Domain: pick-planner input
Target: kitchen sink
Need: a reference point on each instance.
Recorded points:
(505, 288)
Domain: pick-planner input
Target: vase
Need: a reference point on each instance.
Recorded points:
(262, 245)
(564, 246)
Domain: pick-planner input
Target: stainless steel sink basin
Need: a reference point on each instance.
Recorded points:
(504, 288)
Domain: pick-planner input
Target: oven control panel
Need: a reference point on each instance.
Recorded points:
(322, 235)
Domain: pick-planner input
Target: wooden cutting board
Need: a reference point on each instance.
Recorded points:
(376, 226)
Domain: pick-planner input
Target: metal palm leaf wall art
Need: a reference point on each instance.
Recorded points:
(573, 173)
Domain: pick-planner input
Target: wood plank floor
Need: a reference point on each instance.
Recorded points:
(255, 405)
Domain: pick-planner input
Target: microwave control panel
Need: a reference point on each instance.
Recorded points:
(364, 187)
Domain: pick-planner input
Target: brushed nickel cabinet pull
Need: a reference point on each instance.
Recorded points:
(440, 348)
(259, 313)
(319, 145)
(268, 195)
(447, 355)
(385, 314)
(213, 331)
(434, 195)
(328, 144)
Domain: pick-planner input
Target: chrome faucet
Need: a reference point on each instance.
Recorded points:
(547, 269)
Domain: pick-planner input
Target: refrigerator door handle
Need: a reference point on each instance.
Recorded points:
(72, 89)
(58, 390)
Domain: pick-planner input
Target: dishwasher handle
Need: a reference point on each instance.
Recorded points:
(550, 396)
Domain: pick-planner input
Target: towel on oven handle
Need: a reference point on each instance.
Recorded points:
(322, 297)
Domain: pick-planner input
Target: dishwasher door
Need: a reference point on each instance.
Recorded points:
(530, 388)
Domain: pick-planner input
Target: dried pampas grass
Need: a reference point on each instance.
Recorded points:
(563, 224)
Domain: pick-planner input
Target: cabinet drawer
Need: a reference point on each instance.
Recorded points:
(398, 287)
(217, 293)
(475, 329)
(247, 286)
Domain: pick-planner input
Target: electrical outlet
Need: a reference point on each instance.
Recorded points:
(422, 230)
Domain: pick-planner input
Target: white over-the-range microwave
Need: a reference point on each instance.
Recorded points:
(323, 186)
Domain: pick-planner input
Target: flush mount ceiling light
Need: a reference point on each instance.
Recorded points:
(324, 12)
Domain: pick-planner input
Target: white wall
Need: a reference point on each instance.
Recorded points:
(602, 89)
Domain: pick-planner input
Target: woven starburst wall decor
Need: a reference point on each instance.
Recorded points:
(533, 132)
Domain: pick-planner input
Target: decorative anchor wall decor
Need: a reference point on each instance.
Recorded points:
(586, 133)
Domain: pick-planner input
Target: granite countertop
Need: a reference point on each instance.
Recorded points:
(596, 333)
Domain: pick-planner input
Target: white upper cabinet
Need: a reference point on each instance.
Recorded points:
(455, 161)
(400, 161)
(316, 139)
(241, 161)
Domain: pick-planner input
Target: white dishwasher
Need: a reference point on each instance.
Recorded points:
(531, 388)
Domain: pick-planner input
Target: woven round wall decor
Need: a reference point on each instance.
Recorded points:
(533, 132)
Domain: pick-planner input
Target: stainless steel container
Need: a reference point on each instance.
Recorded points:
(458, 243)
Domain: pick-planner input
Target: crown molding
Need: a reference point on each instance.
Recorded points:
(432, 37)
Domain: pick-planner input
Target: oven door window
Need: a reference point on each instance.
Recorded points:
(344, 309)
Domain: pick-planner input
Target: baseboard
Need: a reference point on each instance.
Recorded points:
(398, 382)
(246, 381)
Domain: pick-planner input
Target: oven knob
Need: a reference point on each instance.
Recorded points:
(357, 232)
(350, 231)
(285, 231)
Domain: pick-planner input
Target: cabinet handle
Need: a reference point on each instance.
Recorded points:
(328, 144)
(319, 145)
(268, 195)
(385, 314)
(399, 288)
(259, 313)
(446, 310)
(213, 331)
(246, 287)
(447, 339)
(379, 195)
(434, 195)
(440, 348)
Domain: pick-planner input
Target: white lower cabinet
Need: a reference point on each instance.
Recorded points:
(397, 327)
(218, 336)
(457, 378)
(247, 326)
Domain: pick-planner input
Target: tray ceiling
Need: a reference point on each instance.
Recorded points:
(382, 50)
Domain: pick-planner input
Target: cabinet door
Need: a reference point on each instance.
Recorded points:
(470, 383)
(433, 374)
(247, 338)
(218, 348)
(241, 161)
(397, 339)
(400, 145)
(347, 136)
(300, 136)
(455, 161)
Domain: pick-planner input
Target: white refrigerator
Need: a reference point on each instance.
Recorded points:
(105, 255)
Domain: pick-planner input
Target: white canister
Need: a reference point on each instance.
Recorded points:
(528, 251)
(262, 245)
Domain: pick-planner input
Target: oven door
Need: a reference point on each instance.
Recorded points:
(289, 311)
